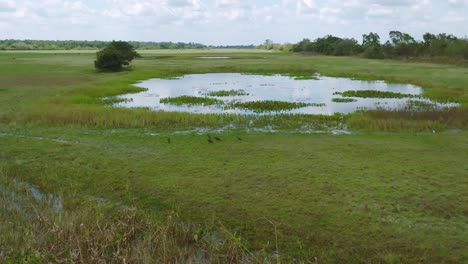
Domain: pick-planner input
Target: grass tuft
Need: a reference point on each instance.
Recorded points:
(410, 120)
(191, 100)
(375, 94)
(344, 100)
(270, 106)
(228, 93)
(106, 233)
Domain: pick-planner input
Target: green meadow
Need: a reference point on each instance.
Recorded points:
(138, 185)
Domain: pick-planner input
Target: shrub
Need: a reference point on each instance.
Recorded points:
(115, 56)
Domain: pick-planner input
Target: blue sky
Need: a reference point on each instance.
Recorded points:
(221, 22)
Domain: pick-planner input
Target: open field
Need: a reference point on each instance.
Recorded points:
(390, 192)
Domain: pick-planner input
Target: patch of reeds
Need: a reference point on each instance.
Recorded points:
(270, 106)
(113, 117)
(228, 93)
(191, 100)
(374, 94)
(410, 120)
(31, 231)
(420, 105)
(344, 100)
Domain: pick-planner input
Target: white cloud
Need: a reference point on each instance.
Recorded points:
(307, 7)
(227, 21)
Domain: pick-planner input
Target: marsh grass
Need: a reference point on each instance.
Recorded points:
(191, 100)
(113, 117)
(375, 94)
(270, 106)
(420, 105)
(344, 100)
(228, 93)
(410, 120)
(102, 232)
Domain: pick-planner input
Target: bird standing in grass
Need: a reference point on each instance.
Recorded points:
(209, 139)
(168, 140)
(239, 138)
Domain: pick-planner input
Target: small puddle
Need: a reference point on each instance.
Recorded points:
(237, 93)
(54, 201)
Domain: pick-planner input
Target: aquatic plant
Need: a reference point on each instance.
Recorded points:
(344, 100)
(374, 94)
(270, 106)
(191, 100)
(420, 105)
(239, 92)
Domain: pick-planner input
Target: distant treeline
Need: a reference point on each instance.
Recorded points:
(399, 45)
(11, 44)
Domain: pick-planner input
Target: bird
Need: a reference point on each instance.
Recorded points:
(239, 138)
(169, 140)
(209, 139)
(217, 138)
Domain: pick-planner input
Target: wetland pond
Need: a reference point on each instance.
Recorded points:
(276, 94)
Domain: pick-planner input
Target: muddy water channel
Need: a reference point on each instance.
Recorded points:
(246, 94)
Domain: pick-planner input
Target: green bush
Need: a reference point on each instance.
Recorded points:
(115, 56)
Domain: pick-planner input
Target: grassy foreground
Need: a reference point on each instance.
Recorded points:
(373, 197)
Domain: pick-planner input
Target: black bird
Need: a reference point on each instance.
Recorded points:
(217, 138)
(209, 139)
(239, 138)
(169, 140)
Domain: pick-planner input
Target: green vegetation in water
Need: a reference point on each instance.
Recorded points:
(344, 100)
(302, 76)
(413, 104)
(228, 93)
(270, 106)
(191, 100)
(374, 94)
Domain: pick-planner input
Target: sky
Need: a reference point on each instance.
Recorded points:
(227, 22)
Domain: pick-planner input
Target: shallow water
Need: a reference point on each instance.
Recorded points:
(261, 87)
(54, 201)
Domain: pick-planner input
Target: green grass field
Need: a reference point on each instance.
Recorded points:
(391, 192)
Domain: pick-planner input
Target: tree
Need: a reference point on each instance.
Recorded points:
(346, 47)
(371, 39)
(403, 44)
(371, 45)
(428, 38)
(268, 44)
(303, 46)
(115, 56)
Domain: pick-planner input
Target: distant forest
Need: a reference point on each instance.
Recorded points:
(11, 44)
(400, 45)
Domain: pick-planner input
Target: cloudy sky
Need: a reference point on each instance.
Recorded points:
(221, 22)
